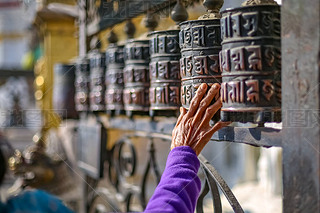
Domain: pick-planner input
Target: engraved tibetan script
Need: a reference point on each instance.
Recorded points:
(241, 91)
(242, 58)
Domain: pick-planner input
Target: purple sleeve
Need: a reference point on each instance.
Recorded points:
(179, 186)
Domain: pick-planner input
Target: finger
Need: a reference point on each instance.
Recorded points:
(210, 112)
(213, 92)
(196, 100)
(217, 127)
(206, 138)
(199, 146)
(183, 111)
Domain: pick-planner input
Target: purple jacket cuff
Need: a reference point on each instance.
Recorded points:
(179, 186)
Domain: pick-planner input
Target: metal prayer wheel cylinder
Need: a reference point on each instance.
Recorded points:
(64, 91)
(82, 85)
(251, 64)
(114, 79)
(200, 44)
(136, 77)
(97, 81)
(165, 77)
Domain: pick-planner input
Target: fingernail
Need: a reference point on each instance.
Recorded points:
(215, 86)
(203, 86)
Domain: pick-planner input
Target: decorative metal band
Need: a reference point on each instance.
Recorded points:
(200, 45)
(136, 76)
(251, 63)
(97, 81)
(82, 85)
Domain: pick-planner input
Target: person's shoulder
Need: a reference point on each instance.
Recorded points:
(36, 201)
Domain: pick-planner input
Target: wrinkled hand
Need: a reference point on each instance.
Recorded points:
(192, 127)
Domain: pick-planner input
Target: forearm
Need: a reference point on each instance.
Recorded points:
(179, 187)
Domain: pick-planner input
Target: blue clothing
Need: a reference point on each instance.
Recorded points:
(34, 201)
(179, 187)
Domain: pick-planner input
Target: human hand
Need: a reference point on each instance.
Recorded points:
(192, 127)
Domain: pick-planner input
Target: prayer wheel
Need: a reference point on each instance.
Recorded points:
(82, 85)
(97, 78)
(164, 90)
(200, 44)
(251, 63)
(136, 76)
(114, 76)
(165, 80)
(64, 91)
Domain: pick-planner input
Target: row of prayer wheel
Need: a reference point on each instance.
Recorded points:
(239, 48)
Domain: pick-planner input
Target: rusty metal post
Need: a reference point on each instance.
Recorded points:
(300, 106)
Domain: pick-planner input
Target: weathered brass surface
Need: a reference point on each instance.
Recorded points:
(97, 81)
(200, 45)
(114, 79)
(136, 77)
(251, 64)
(82, 84)
(165, 77)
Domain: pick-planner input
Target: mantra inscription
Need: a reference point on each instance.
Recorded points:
(199, 65)
(250, 61)
(165, 96)
(114, 99)
(261, 21)
(164, 69)
(136, 74)
(250, 91)
(97, 81)
(136, 77)
(197, 34)
(137, 50)
(82, 85)
(114, 78)
(251, 58)
(164, 44)
(190, 87)
(136, 99)
(200, 44)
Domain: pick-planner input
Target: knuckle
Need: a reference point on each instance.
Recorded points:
(210, 110)
(203, 104)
